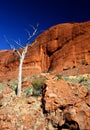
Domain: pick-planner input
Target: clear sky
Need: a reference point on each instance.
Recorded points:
(16, 15)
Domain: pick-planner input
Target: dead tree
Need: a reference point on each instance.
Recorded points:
(21, 55)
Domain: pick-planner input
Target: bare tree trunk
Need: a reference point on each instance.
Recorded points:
(20, 71)
(19, 78)
(21, 55)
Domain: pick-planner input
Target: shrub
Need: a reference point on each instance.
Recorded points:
(80, 78)
(13, 87)
(1, 81)
(28, 91)
(86, 83)
(59, 76)
(1, 88)
(37, 86)
(13, 84)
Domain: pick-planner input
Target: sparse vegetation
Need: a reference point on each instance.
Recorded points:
(28, 91)
(1, 81)
(59, 76)
(37, 86)
(1, 88)
(13, 84)
(84, 79)
(13, 87)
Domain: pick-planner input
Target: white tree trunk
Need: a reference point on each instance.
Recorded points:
(20, 78)
(20, 71)
(21, 56)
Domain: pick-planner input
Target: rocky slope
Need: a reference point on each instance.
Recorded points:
(62, 48)
(60, 96)
(45, 112)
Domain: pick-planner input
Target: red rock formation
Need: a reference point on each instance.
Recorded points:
(64, 97)
(66, 46)
(63, 48)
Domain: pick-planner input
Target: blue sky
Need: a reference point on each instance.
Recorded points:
(16, 15)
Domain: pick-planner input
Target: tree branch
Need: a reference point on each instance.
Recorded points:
(11, 46)
(33, 34)
(21, 55)
(18, 43)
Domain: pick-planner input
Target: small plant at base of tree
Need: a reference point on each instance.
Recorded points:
(28, 91)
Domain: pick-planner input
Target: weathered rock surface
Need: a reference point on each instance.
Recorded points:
(31, 112)
(62, 96)
(21, 113)
(63, 48)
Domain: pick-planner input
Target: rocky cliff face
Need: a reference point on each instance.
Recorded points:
(66, 47)
(63, 48)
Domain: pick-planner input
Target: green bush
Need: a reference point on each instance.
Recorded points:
(13, 84)
(59, 76)
(1, 81)
(28, 91)
(1, 88)
(86, 83)
(37, 86)
(80, 78)
(13, 87)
